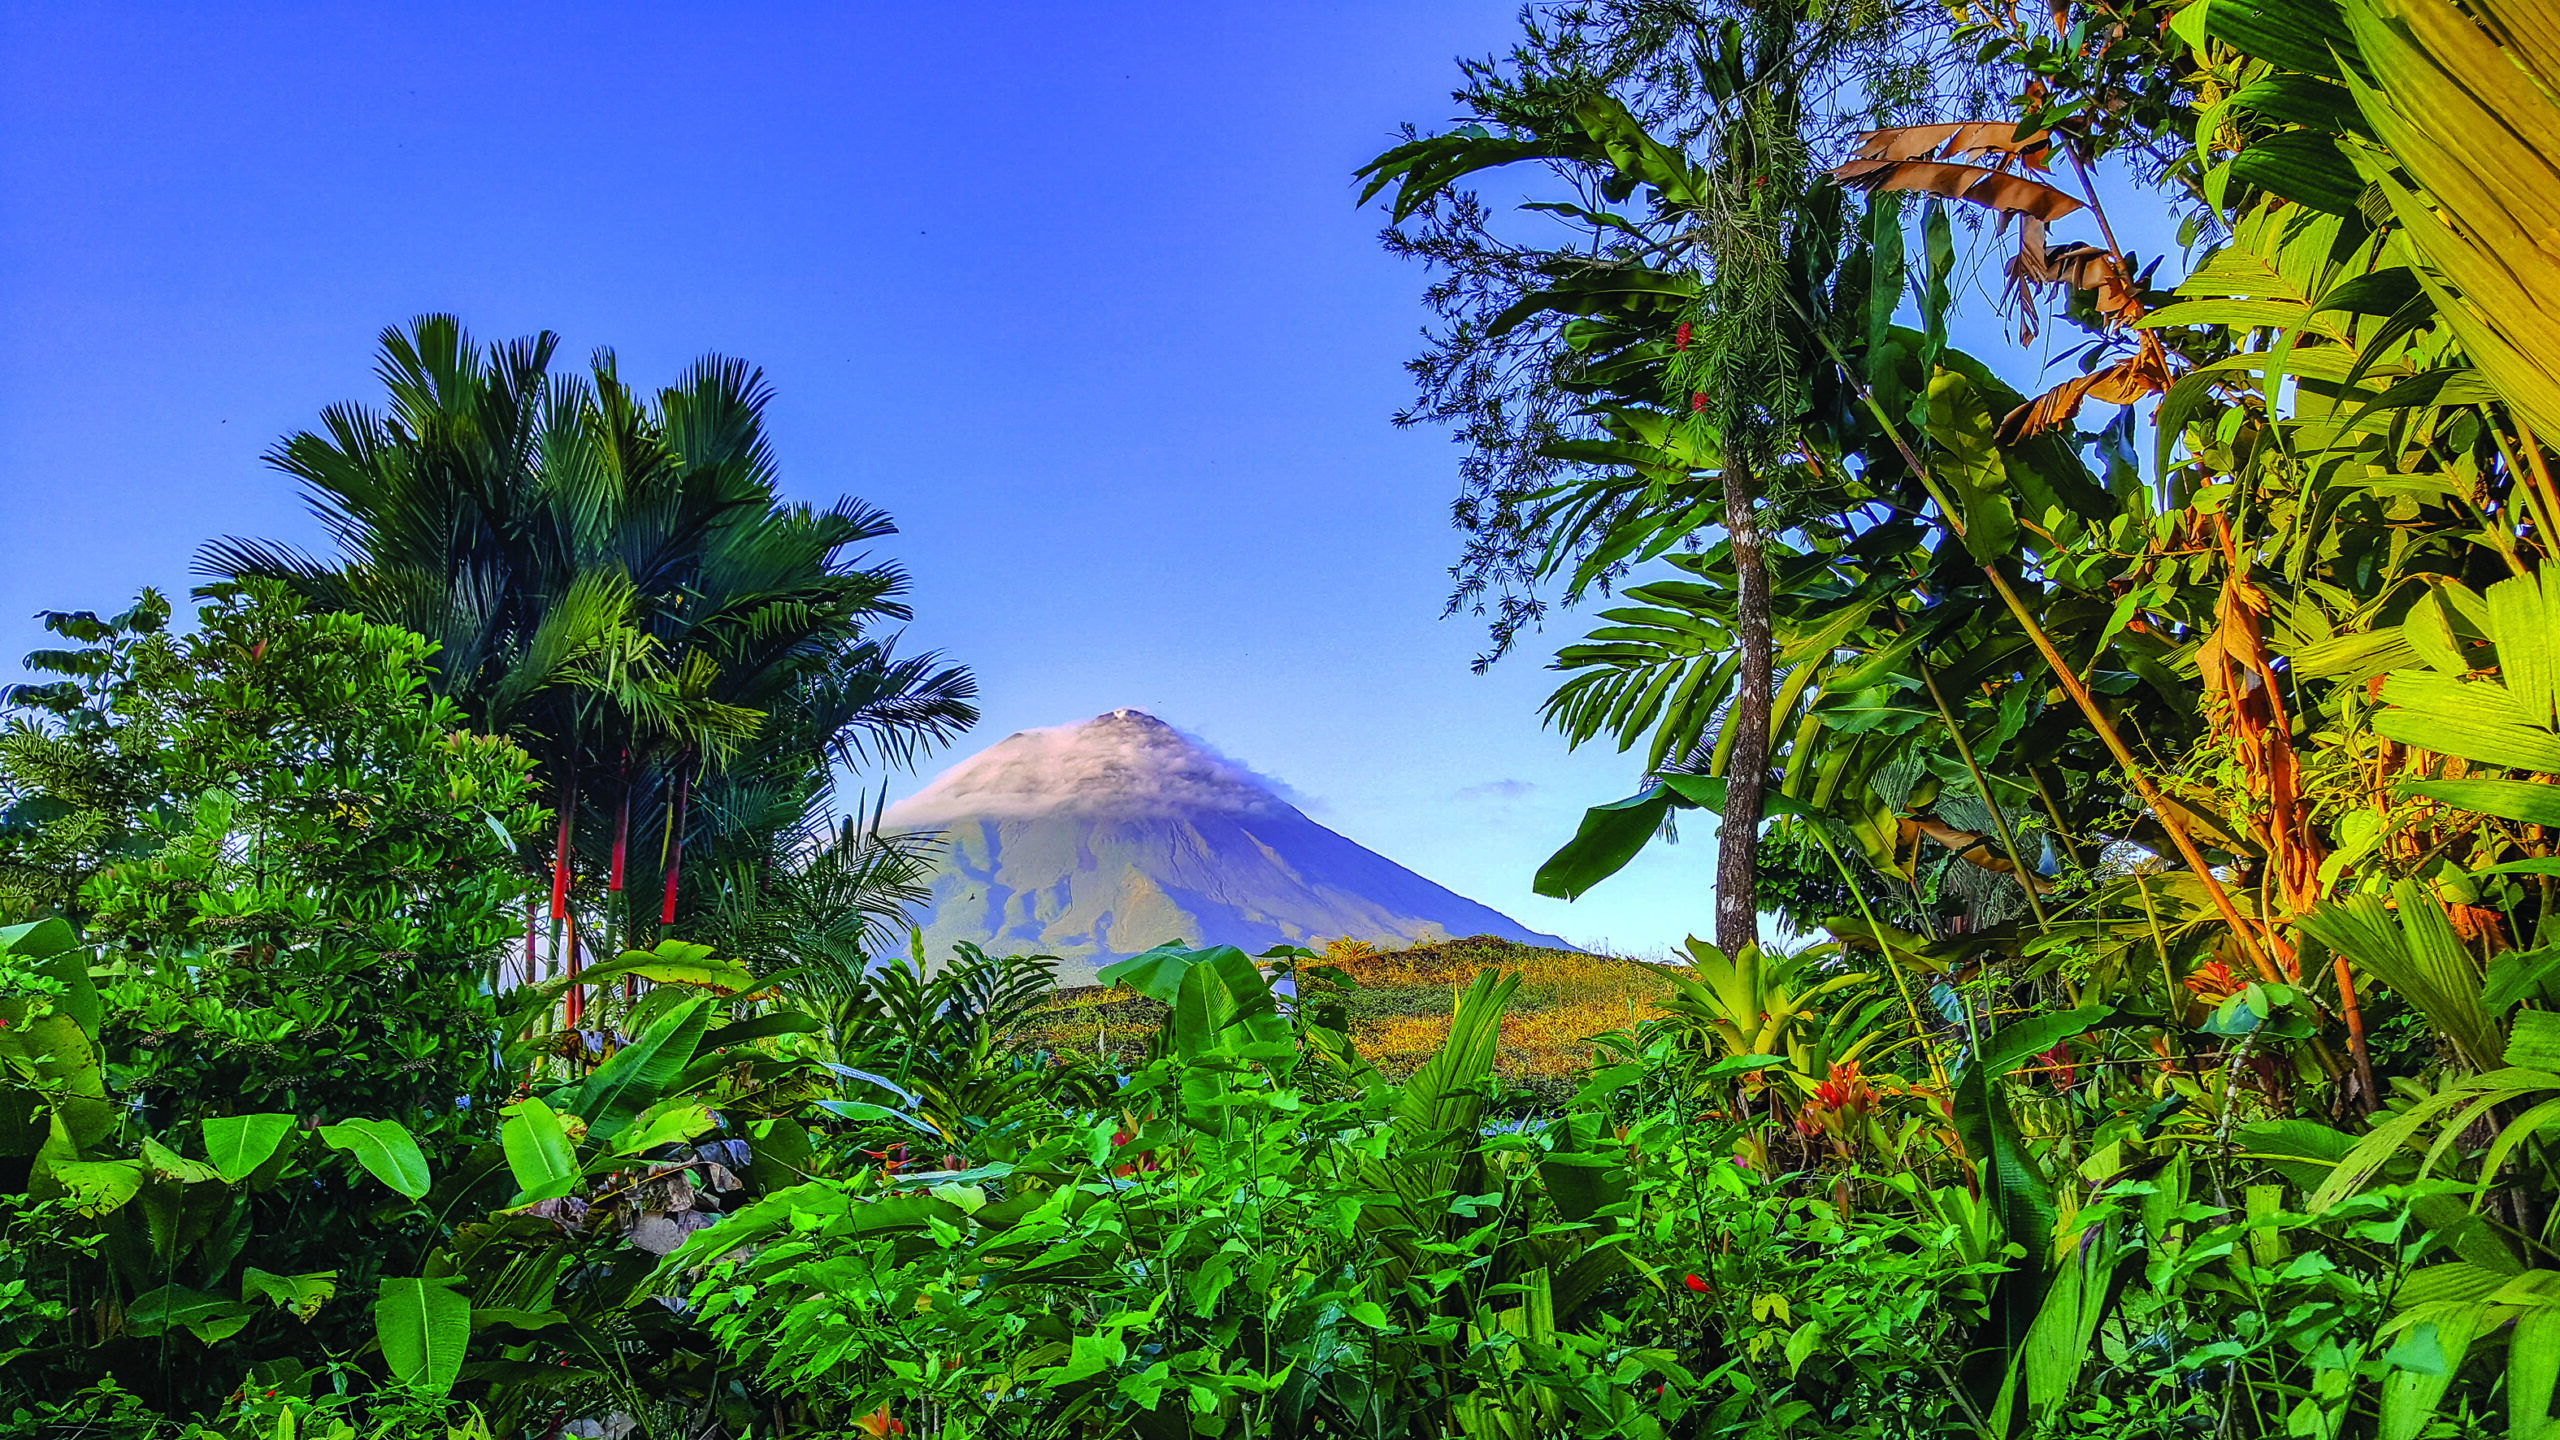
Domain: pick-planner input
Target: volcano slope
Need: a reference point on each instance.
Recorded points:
(1095, 841)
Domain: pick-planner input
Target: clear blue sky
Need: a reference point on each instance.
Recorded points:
(1077, 292)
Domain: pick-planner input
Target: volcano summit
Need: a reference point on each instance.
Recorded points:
(1093, 842)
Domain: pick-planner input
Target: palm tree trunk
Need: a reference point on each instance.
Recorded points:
(560, 856)
(621, 844)
(577, 1001)
(1747, 771)
(673, 849)
(616, 909)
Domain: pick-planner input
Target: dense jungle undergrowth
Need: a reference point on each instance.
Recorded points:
(439, 999)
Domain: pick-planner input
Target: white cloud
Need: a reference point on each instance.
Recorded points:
(1124, 763)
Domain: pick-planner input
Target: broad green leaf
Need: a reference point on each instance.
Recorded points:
(386, 1151)
(38, 939)
(539, 1153)
(2478, 722)
(2519, 975)
(1964, 427)
(638, 1074)
(2534, 802)
(2533, 1042)
(52, 949)
(424, 1329)
(238, 1144)
(777, 1022)
(2304, 1152)
(2016, 1044)
(2416, 953)
(2466, 166)
(1707, 792)
(209, 1318)
(780, 1155)
(2533, 1365)
(864, 1110)
(1225, 1007)
(2009, 1170)
(665, 1123)
(2304, 166)
(2421, 1373)
(484, 1316)
(674, 962)
(56, 1055)
(168, 1164)
(1609, 837)
(1156, 973)
(2304, 36)
(97, 1187)
(1585, 1173)
(303, 1295)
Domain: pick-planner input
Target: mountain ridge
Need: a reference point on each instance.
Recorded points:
(1096, 840)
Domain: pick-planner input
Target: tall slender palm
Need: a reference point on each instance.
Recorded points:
(613, 581)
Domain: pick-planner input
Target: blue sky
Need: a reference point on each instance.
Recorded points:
(1077, 292)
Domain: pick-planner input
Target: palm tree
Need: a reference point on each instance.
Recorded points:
(612, 581)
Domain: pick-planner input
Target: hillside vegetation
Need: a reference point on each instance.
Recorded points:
(1400, 1004)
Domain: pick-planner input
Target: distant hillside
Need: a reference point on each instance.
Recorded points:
(1400, 1015)
(1093, 842)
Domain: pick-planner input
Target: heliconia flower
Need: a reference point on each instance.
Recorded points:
(880, 1423)
(2213, 982)
(1680, 337)
(1694, 1283)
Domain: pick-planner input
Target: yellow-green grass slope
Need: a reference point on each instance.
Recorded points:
(1400, 1012)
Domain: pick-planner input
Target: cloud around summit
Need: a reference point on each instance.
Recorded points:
(1125, 763)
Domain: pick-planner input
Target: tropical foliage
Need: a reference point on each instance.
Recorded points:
(2170, 794)
(2131, 1008)
(615, 583)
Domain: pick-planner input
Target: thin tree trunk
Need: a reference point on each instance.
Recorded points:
(560, 855)
(673, 848)
(617, 906)
(1747, 771)
(577, 999)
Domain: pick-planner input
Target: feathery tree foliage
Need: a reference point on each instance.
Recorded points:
(1554, 364)
(613, 580)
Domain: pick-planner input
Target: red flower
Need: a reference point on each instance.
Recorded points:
(880, 1423)
(1694, 1283)
(1680, 338)
(2057, 1063)
(1697, 403)
(2213, 982)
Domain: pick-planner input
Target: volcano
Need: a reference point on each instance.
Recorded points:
(1095, 841)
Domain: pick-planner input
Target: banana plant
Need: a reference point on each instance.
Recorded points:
(591, 1178)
